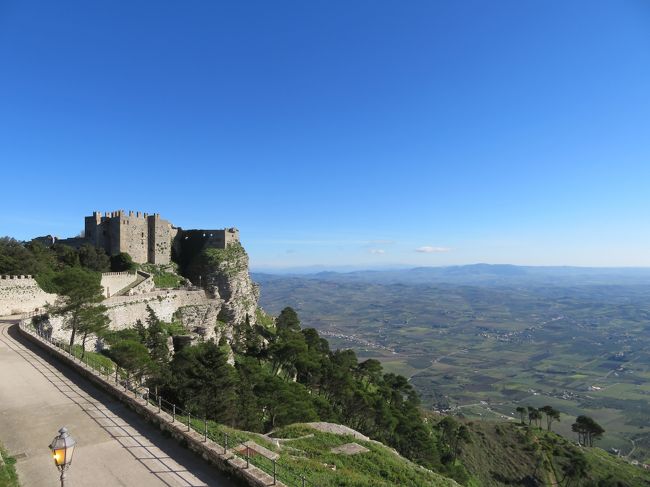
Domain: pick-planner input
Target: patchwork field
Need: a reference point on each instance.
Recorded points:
(482, 350)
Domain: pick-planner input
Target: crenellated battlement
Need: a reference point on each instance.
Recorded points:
(146, 237)
(98, 216)
(16, 277)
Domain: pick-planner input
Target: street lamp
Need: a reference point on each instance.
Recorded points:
(62, 448)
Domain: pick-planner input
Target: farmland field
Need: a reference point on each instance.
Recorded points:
(484, 347)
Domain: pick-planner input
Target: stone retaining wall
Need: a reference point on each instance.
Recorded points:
(124, 311)
(210, 451)
(113, 282)
(21, 294)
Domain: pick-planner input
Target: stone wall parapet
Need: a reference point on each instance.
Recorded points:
(170, 293)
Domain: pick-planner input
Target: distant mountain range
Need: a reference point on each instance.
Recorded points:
(479, 274)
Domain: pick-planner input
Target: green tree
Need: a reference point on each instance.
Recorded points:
(92, 321)
(522, 413)
(551, 414)
(133, 357)
(141, 331)
(66, 255)
(587, 429)
(534, 415)
(370, 372)
(93, 258)
(285, 351)
(284, 403)
(250, 414)
(77, 289)
(574, 469)
(122, 262)
(156, 339)
(204, 381)
(287, 320)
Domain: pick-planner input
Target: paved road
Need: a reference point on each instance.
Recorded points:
(115, 447)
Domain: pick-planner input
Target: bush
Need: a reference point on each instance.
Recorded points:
(122, 262)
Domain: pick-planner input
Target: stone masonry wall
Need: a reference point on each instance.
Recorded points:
(124, 311)
(21, 294)
(134, 236)
(113, 282)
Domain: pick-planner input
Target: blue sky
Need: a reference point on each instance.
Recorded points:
(337, 132)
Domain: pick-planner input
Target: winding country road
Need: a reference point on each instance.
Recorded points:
(115, 447)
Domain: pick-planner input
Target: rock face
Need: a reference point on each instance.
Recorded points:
(201, 319)
(224, 275)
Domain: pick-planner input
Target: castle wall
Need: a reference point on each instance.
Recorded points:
(149, 238)
(124, 311)
(113, 282)
(92, 229)
(160, 240)
(134, 235)
(21, 294)
(113, 227)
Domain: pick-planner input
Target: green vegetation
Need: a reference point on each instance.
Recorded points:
(264, 319)
(141, 351)
(8, 476)
(499, 454)
(98, 360)
(167, 280)
(294, 378)
(122, 262)
(310, 453)
(230, 261)
(79, 292)
(164, 276)
(33, 258)
(587, 429)
(174, 328)
(232, 253)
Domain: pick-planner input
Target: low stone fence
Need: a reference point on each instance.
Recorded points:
(145, 286)
(231, 461)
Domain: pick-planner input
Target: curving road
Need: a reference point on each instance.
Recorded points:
(115, 447)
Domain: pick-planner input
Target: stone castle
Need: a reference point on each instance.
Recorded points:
(147, 238)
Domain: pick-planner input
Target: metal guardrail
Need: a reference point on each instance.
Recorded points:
(121, 379)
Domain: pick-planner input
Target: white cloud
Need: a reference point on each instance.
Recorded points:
(428, 249)
(377, 251)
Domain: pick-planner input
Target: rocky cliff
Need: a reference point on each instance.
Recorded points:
(223, 273)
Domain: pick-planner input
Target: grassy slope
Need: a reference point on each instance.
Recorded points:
(378, 467)
(8, 476)
(503, 454)
(308, 454)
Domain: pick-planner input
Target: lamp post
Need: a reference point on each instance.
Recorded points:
(62, 448)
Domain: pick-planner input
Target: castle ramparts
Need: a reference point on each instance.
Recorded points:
(147, 238)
